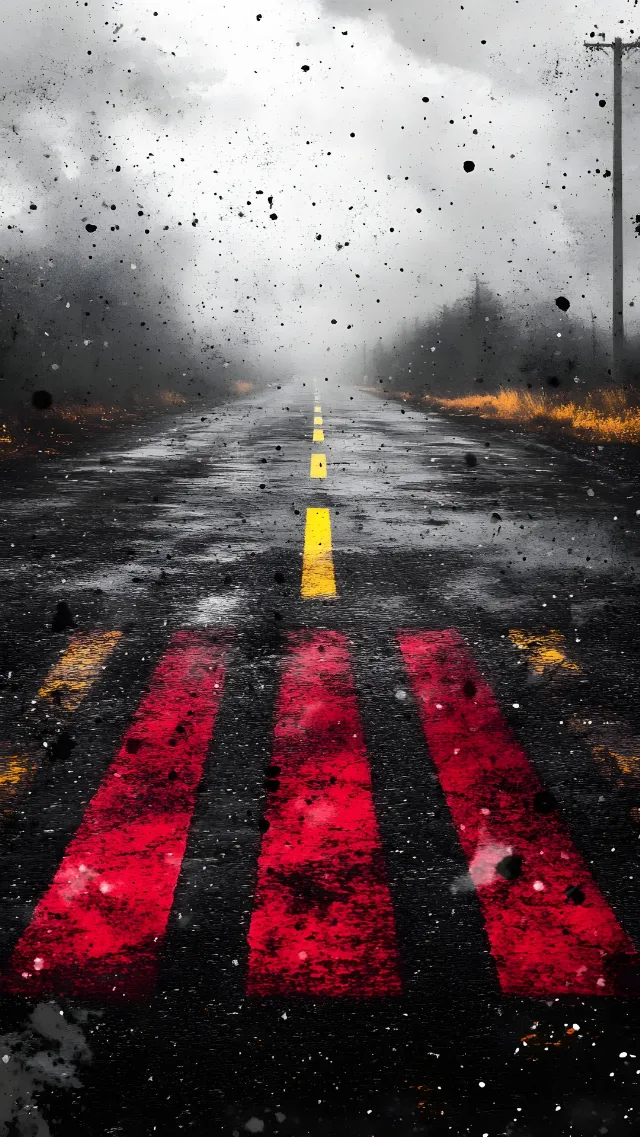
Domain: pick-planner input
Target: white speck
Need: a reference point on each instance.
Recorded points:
(622, 1054)
(590, 493)
(482, 1085)
(283, 1015)
(438, 706)
(576, 1026)
(302, 955)
(38, 963)
(538, 886)
(67, 305)
(54, 367)
(5, 1058)
(600, 982)
(234, 963)
(133, 266)
(400, 694)
(280, 1117)
(104, 887)
(516, 706)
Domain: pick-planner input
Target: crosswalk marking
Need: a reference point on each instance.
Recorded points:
(550, 929)
(318, 577)
(322, 922)
(98, 927)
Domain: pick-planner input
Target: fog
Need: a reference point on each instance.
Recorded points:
(285, 198)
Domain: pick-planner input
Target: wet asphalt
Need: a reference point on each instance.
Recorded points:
(436, 523)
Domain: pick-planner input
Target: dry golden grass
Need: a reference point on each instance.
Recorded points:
(603, 417)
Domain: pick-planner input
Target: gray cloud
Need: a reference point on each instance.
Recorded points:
(209, 113)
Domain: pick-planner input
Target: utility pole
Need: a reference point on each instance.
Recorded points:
(617, 314)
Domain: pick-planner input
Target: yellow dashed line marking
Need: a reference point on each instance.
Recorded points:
(318, 468)
(318, 435)
(78, 668)
(318, 578)
(317, 410)
(317, 421)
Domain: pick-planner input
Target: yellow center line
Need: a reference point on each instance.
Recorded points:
(317, 410)
(318, 577)
(317, 421)
(318, 435)
(318, 467)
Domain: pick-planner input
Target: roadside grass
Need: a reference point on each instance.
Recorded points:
(604, 416)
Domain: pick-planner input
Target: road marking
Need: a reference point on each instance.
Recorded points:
(79, 666)
(318, 577)
(317, 421)
(545, 652)
(318, 436)
(98, 929)
(66, 685)
(550, 929)
(317, 410)
(318, 466)
(322, 922)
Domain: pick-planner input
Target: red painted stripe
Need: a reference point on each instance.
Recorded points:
(322, 922)
(543, 943)
(99, 927)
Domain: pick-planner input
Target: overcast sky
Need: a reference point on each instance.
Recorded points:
(210, 111)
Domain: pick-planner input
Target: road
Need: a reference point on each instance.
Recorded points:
(467, 959)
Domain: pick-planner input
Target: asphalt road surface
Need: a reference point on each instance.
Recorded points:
(342, 843)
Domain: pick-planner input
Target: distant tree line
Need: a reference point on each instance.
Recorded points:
(477, 346)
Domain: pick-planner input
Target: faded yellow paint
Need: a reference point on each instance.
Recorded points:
(545, 652)
(318, 577)
(317, 410)
(13, 769)
(628, 764)
(16, 772)
(66, 684)
(317, 420)
(78, 668)
(318, 436)
(318, 467)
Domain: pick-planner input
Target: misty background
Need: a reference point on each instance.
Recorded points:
(198, 195)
